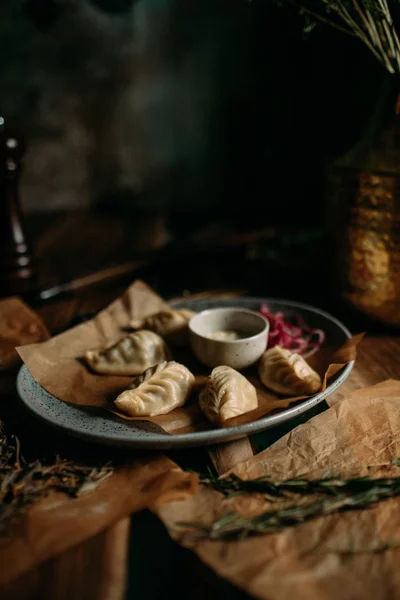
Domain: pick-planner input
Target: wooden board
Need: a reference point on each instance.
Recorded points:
(95, 570)
(226, 456)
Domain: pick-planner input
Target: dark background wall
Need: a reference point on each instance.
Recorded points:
(201, 105)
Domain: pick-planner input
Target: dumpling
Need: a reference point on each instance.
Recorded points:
(227, 394)
(157, 391)
(170, 324)
(287, 373)
(132, 355)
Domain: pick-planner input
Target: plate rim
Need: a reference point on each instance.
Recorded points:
(199, 438)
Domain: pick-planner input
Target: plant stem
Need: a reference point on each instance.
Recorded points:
(234, 485)
(233, 527)
(338, 495)
(371, 22)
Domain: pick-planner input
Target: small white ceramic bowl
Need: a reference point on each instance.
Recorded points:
(238, 353)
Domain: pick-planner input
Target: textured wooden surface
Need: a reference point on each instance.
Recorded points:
(378, 359)
(226, 456)
(97, 569)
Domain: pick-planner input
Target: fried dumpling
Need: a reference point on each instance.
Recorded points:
(287, 373)
(131, 355)
(170, 324)
(157, 391)
(227, 394)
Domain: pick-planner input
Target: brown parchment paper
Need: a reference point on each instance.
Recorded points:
(57, 367)
(59, 522)
(18, 325)
(329, 558)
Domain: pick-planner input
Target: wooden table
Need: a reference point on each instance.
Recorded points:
(98, 569)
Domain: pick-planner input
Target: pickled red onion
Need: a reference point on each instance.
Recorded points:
(297, 337)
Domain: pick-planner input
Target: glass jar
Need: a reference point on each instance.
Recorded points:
(363, 213)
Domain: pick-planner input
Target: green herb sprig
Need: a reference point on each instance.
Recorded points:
(233, 485)
(339, 495)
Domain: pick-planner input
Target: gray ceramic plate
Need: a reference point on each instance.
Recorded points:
(98, 426)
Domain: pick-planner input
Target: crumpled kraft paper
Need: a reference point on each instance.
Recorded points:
(57, 366)
(18, 325)
(331, 557)
(59, 522)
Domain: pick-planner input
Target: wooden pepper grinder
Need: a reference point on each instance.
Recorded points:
(17, 270)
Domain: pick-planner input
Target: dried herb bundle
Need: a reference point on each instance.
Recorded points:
(22, 483)
(369, 20)
(340, 495)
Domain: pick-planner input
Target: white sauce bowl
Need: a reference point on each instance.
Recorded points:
(239, 353)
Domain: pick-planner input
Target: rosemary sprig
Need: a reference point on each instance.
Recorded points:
(233, 485)
(339, 495)
(23, 483)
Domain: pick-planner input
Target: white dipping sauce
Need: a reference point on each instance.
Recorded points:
(227, 335)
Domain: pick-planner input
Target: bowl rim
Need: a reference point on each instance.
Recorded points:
(254, 336)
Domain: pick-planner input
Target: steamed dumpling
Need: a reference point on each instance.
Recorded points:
(227, 394)
(132, 355)
(287, 373)
(157, 391)
(170, 324)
